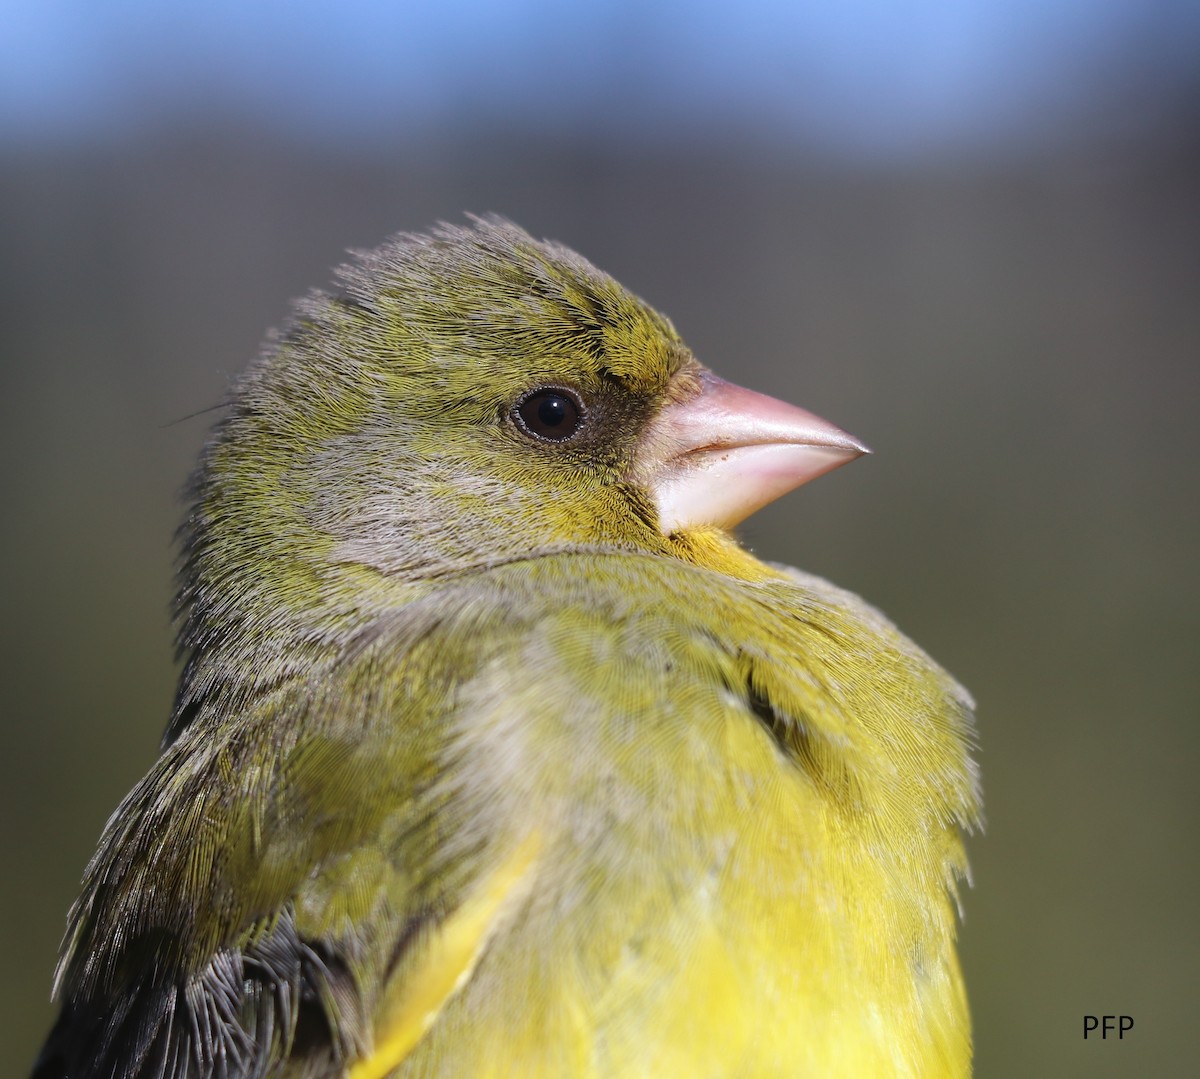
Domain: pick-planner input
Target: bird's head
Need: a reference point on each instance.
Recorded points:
(469, 397)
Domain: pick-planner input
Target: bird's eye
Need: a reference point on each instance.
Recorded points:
(554, 415)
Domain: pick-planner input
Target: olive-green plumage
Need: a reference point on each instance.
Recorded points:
(474, 770)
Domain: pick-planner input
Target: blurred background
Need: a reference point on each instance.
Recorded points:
(969, 233)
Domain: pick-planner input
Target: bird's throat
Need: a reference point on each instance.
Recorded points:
(716, 549)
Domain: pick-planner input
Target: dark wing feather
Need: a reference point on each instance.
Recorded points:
(243, 1015)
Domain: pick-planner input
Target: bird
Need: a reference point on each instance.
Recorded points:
(494, 752)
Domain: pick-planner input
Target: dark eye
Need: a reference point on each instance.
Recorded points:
(554, 415)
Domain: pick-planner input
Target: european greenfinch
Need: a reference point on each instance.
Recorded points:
(494, 754)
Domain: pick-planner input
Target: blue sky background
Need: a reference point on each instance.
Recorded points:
(857, 77)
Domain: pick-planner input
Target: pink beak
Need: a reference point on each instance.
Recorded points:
(718, 457)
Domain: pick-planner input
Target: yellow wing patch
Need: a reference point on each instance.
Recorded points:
(450, 956)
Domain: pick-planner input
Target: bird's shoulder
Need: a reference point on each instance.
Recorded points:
(259, 893)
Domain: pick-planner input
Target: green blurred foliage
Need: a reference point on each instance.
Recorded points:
(1018, 339)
